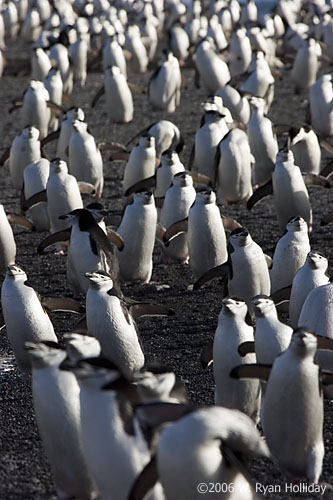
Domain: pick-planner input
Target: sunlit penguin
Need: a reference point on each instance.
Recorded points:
(111, 323)
(25, 318)
(120, 107)
(262, 141)
(35, 110)
(233, 167)
(25, 149)
(113, 55)
(66, 130)
(85, 160)
(58, 420)
(240, 48)
(306, 65)
(179, 42)
(213, 71)
(293, 408)
(7, 242)
(40, 64)
(232, 330)
(215, 31)
(207, 138)
(141, 163)
(164, 85)
(320, 99)
(177, 203)
(170, 165)
(260, 82)
(78, 55)
(238, 105)
(133, 43)
(54, 86)
(35, 176)
(289, 254)
(312, 274)
(211, 443)
(138, 230)
(59, 52)
(305, 146)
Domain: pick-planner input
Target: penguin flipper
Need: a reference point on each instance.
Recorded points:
(221, 271)
(148, 183)
(327, 378)
(54, 238)
(62, 304)
(281, 295)
(67, 100)
(260, 193)
(178, 227)
(120, 156)
(5, 157)
(99, 94)
(115, 238)
(327, 170)
(34, 199)
(206, 356)
(55, 108)
(50, 137)
(316, 180)
(112, 146)
(141, 309)
(246, 348)
(233, 460)
(324, 342)
(200, 178)
(145, 481)
(22, 221)
(86, 187)
(327, 219)
(230, 224)
(261, 372)
(326, 145)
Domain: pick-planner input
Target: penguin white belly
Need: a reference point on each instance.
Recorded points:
(141, 165)
(22, 152)
(117, 336)
(7, 242)
(301, 288)
(287, 263)
(119, 98)
(58, 418)
(243, 395)
(250, 273)
(138, 233)
(207, 139)
(206, 240)
(85, 160)
(263, 147)
(35, 177)
(164, 89)
(25, 321)
(293, 439)
(291, 198)
(238, 106)
(62, 198)
(114, 457)
(234, 171)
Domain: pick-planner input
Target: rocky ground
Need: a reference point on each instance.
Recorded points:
(177, 340)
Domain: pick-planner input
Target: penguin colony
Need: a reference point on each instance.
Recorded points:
(145, 192)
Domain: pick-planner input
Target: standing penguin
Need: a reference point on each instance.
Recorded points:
(260, 82)
(141, 162)
(233, 167)
(291, 197)
(207, 138)
(237, 104)
(58, 419)
(293, 408)
(54, 86)
(311, 275)
(119, 100)
(321, 109)
(246, 269)
(25, 318)
(211, 444)
(232, 330)
(290, 254)
(24, 150)
(7, 242)
(40, 64)
(240, 48)
(169, 167)
(164, 85)
(138, 230)
(113, 55)
(35, 176)
(212, 70)
(306, 149)
(66, 130)
(306, 65)
(262, 141)
(110, 322)
(85, 160)
(35, 110)
(177, 203)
